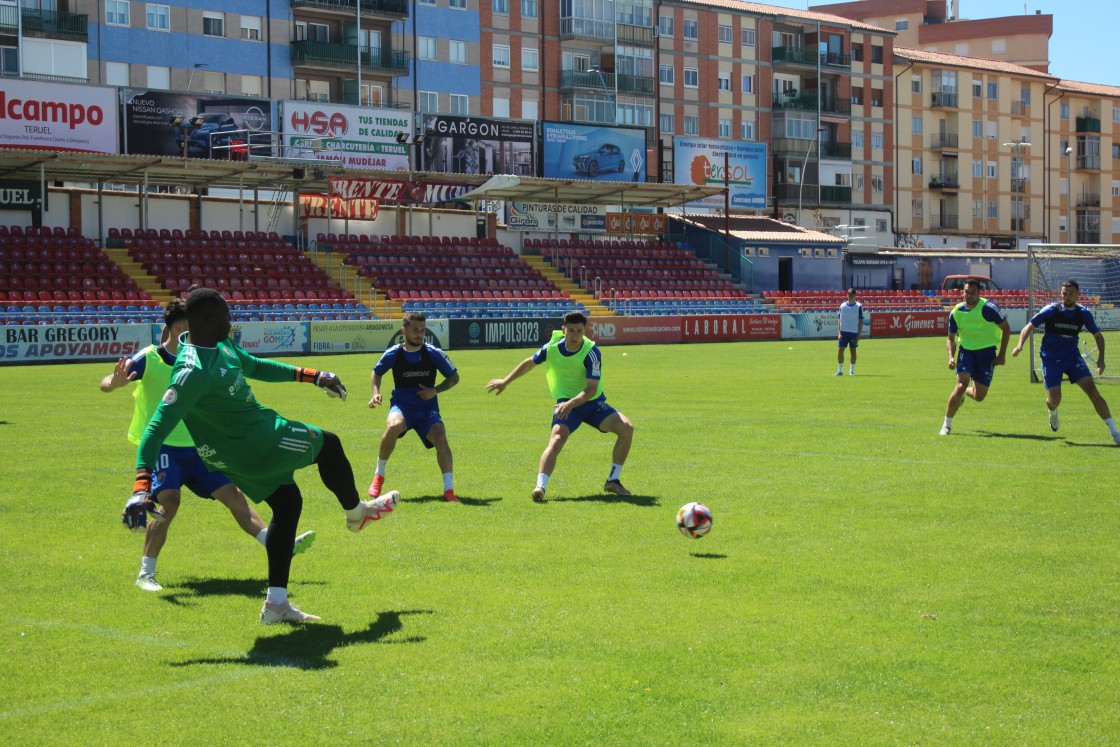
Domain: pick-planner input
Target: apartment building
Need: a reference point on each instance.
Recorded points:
(1083, 147)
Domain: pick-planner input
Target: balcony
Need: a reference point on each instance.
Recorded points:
(1087, 200)
(386, 9)
(635, 36)
(1020, 109)
(943, 141)
(581, 80)
(1088, 237)
(1018, 184)
(1088, 163)
(794, 193)
(586, 28)
(946, 99)
(40, 76)
(636, 85)
(836, 195)
(50, 24)
(345, 57)
(842, 151)
(1088, 124)
(836, 59)
(947, 221)
(792, 146)
(944, 181)
(795, 56)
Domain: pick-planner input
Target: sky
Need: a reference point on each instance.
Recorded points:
(1081, 45)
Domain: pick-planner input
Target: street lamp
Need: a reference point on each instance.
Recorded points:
(1017, 148)
(197, 66)
(1069, 196)
(804, 164)
(610, 99)
(185, 126)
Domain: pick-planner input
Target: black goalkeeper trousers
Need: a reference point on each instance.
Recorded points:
(287, 504)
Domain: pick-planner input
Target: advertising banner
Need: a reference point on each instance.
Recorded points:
(262, 338)
(225, 128)
(645, 223)
(52, 116)
(350, 136)
(502, 333)
(371, 336)
(396, 191)
(909, 323)
(21, 195)
(635, 330)
(315, 206)
(572, 151)
(474, 145)
(814, 325)
(729, 327)
(72, 342)
(702, 162)
(543, 216)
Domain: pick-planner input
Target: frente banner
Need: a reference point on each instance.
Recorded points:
(396, 191)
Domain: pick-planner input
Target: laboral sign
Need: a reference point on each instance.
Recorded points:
(49, 116)
(740, 166)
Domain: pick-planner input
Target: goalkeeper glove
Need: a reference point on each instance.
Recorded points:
(137, 508)
(329, 382)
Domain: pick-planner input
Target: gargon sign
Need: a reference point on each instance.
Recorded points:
(909, 323)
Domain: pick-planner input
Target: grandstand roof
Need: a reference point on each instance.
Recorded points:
(587, 191)
(757, 228)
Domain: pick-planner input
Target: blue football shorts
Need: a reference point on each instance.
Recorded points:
(593, 413)
(181, 465)
(1053, 371)
(848, 339)
(420, 421)
(980, 364)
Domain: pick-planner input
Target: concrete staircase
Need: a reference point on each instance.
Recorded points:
(347, 276)
(144, 281)
(594, 308)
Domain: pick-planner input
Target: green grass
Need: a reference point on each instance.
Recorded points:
(866, 581)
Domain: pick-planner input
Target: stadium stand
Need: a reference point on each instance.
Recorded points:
(872, 300)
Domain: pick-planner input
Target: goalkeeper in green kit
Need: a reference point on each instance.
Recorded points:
(255, 447)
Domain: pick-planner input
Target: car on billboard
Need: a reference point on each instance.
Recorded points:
(607, 157)
(214, 131)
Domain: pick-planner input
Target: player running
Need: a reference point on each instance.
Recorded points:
(255, 446)
(982, 326)
(414, 403)
(1063, 321)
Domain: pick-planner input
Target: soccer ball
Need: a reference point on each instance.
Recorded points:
(694, 520)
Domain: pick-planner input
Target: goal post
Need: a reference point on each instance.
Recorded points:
(1096, 268)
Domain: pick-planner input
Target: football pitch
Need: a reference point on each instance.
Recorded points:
(866, 581)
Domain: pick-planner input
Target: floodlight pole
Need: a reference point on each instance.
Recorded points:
(1069, 195)
(1016, 148)
(804, 164)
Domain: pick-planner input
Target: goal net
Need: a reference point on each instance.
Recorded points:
(1096, 268)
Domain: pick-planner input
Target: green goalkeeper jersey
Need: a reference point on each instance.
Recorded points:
(256, 447)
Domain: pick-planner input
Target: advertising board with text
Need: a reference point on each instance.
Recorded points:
(264, 338)
(909, 323)
(738, 165)
(350, 136)
(72, 342)
(370, 336)
(228, 127)
(628, 330)
(573, 151)
(813, 325)
(731, 327)
(642, 223)
(546, 216)
(477, 145)
(502, 333)
(52, 116)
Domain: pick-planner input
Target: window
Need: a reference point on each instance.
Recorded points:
(691, 29)
(1065, 110)
(876, 182)
(530, 60)
(747, 37)
(857, 139)
(724, 34)
(857, 182)
(501, 55)
(159, 17)
(116, 12)
(901, 24)
(529, 8)
(691, 125)
(725, 128)
(691, 77)
(993, 130)
(993, 90)
(665, 74)
(500, 7)
(916, 124)
(529, 109)
(916, 207)
(319, 32)
(876, 96)
(425, 48)
(977, 208)
(429, 102)
(251, 28)
(460, 104)
(747, 131)
(665, 26)
(915, 84)
(876, 55)
(977, 89)
(881, 224)
(857, 53)
(993, 170)
(977, 169)
(460, 4)
(426, 2)
(214, 24)
(876, 141)
(999, 46)
(214, 82)
(857, 97)
(251, 85)
(116, 73)
(665, 123)
(977, 128)
(916, 166)
(501, 107)
(961, 49)
(159, 77)
(457, 52)
(993, 209)
(723, 81)
(748, 84)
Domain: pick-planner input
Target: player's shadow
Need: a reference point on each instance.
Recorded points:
(309, 646)
(708, 555)
(1098, 445)
(465, 500)
(1018, 436)
(193, 588)
(646, 501)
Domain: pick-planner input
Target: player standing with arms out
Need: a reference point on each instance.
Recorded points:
(1063, 321)
(255, 446)
(574, 375)
(851, 326)
(414, 403)
(982, 327)
(179, 463)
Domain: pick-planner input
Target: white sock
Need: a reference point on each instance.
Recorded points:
(447, 481)
(839, 368)
(852, 368)
(353, 514)
(542, 481)
(616, 472)
(277, 595)
(147, 565)
(262, 535)
(381, 467)
(948, 422)
(1110, 422)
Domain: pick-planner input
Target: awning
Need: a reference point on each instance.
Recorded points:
(588, 192)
